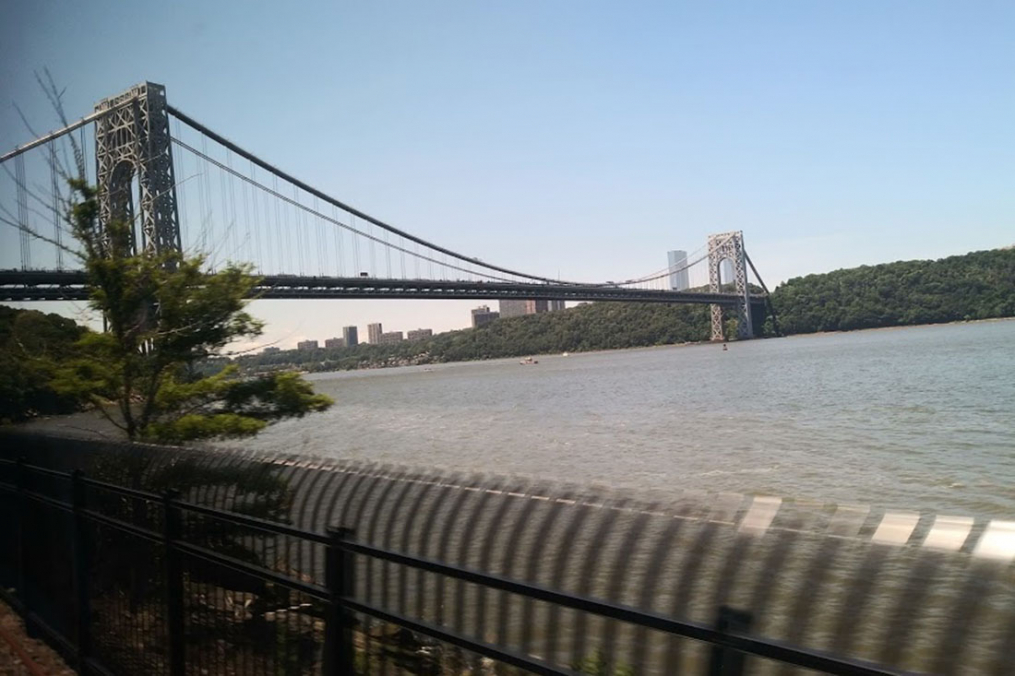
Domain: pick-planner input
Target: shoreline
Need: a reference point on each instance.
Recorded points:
(699, 343)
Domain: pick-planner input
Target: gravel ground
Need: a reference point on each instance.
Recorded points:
(44, 657)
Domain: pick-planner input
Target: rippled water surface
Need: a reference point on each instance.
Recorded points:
(919, 417)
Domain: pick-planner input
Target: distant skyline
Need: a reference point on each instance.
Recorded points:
(583, 140)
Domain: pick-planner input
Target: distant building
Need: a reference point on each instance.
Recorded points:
(271, 350)
(374, 332)
(517, 308)
(307, 345)
(419, 334)
(512, 308)
(390, 337)
(556, 305)
(332, 343)
(351, 336)
(482, 314)
(678, 261)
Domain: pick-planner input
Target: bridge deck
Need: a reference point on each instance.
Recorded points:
(16, 285)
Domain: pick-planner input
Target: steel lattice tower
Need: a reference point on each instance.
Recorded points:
(730, 245)
(133, 140)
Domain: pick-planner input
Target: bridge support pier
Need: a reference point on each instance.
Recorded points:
(729, 246)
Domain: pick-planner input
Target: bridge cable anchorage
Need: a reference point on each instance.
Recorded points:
(197, 126)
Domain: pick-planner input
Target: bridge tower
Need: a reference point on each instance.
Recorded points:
(730, 246)
(132, 142)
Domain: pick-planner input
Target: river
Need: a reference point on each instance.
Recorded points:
(919, 418)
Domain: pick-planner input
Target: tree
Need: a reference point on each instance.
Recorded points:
(164, 314)
(29, 343)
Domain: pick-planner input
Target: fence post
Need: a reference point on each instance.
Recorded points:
(339, 569)
(21, 481)
(727, 661)
(82, 558)
(173, 569)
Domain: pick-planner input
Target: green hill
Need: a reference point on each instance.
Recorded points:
(978, 285)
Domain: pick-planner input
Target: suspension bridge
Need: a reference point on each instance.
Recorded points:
(187, 188)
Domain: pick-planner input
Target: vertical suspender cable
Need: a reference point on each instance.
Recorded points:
(182, 190)
(338, 241)
(387, 253)
(299, 229)
(257, 220)
(209, 225)
(249, 239)
(355, 247)
(22, 200)
(227, 236)
(57, 230)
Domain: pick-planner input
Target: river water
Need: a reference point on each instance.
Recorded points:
(918, 418)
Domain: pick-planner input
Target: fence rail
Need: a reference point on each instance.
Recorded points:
(166, 604)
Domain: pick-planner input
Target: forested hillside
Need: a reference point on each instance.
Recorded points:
(30, 344)
(597, 326)
(978, 285)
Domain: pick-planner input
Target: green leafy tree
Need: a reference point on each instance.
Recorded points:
(164, 314)
(30, 341)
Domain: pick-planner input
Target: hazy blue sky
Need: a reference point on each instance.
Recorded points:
(579, 138)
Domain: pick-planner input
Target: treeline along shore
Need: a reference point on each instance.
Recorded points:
(974, 286)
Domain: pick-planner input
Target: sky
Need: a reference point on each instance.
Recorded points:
(575, 139)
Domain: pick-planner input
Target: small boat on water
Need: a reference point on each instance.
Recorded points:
(564, 355)
(528, 360)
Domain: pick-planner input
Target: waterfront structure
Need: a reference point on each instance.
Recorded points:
(678, 270)
(556, 305)
(351, 336)
(517, 308)
(332, 343)
(374, 332)
(419, 334)
(482, 315)
(134, 136)
(512, 308)
(728, 248)
(307, 345)
(390, 337)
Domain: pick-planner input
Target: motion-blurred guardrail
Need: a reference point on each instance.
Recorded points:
(475, 574)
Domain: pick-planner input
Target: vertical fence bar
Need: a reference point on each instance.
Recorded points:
(171, 531)
(81, 556)
(726, 661)
(23, 564)
(339, 578)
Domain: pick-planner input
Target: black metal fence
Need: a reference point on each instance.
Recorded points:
(392, 571)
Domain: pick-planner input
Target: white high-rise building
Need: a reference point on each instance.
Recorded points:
(678, 280)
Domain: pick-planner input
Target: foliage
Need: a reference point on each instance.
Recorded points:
(596, 665)
(30, 341)
(164, 313)
(589, 327)
(979, 285)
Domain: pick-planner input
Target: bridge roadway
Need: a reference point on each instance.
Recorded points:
(38, 285)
